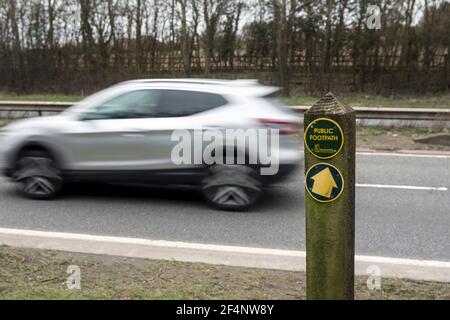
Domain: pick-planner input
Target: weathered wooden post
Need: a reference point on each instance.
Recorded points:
(330, 134)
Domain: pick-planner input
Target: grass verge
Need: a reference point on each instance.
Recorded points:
(40, 97)
(42, 274)
(391, 139)
(373, 101)
(431, 101)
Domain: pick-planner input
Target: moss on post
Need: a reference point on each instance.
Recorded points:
(330, 227)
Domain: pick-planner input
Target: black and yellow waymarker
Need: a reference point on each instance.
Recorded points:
(324, 182)
(324, 138)
(330, 130)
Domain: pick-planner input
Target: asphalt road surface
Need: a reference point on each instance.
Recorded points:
(402, 210)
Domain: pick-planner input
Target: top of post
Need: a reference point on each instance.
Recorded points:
(329, 105)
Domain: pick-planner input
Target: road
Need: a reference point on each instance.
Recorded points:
(394, 218)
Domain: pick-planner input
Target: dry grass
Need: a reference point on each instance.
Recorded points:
(41, 274)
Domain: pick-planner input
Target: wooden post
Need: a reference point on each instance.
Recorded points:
(330, 134)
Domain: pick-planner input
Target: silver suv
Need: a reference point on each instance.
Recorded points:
(128, 134)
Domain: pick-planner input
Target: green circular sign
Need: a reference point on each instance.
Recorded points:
(324, 138)
(324, 182)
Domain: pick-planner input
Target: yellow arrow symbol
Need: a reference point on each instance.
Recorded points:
(324, 183)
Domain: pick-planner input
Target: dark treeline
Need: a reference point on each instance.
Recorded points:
(306, 46)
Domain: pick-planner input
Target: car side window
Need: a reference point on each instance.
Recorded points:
(180, 103)
(135, 104)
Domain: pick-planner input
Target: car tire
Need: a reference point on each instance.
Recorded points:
(37, 175)
(232, 187)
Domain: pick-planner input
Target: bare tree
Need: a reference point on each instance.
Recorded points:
(213, 11)
(77, 46)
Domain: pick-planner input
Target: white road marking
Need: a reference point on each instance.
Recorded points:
(293, 260)
(386, 186)
(138, 241)
(398, 154)
(411, 155)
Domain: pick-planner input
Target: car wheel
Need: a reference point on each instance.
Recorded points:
(232, 187)
(37, 175)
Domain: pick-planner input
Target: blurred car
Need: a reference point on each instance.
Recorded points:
(124, 134)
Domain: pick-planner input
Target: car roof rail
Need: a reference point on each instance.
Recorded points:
(240, 82)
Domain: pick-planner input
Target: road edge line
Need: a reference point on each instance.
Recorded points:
(404, 153)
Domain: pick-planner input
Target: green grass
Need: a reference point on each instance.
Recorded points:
(376, 131)
(300, 101)
(40, 97)
(421, 130)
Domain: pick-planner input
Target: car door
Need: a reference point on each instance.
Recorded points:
(179, 115)
(113, 134)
